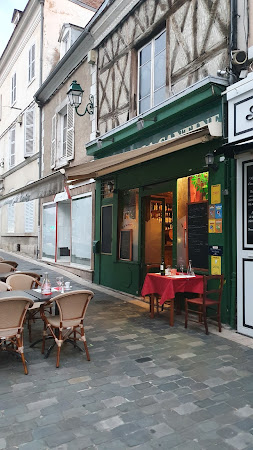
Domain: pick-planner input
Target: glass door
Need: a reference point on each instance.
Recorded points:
(154, 230)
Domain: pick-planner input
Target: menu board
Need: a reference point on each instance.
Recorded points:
(126, 245)
(249, 203)
(198, 235)
(106, 229)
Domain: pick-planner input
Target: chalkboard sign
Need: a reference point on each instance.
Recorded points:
(198, 235)
(126, 245)
(249, 204)
(106, 229)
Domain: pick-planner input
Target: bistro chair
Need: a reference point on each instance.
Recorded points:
(153, 268)
(4, 287)
(5, 267)
(12, 315)
(12, 263)
(21, 281)
(31, 274)
(68, 325)
(211, 298)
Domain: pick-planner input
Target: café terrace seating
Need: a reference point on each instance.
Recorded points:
(12, 315)
(21, 281)
(5, 267)
(211, 298)
(68, 325)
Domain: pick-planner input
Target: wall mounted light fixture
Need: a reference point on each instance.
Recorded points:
(110, 186)
(209, 159)
(75, 95)
(100, 142)
(141, 120)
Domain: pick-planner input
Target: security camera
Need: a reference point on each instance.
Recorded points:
(239, 57)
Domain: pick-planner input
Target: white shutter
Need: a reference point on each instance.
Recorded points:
(29, 216)
(0, 106)
(12, 147)
(29, 132)
(31, 68)
(13, 89)
(70, 132)
(11, 219)
(53, 141)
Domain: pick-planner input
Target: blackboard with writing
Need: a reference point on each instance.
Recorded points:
(106, 229)
(249, 184)
(126, 245)
(198, 235)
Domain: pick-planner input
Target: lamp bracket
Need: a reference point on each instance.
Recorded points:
(89, 107)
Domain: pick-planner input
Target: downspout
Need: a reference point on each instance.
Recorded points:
(40, 117)
(233, 38)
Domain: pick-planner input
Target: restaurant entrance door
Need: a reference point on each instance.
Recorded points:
(158, 232)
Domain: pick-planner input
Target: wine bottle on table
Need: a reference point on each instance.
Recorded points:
(162, 267)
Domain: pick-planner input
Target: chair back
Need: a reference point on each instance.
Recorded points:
(73, 305)
(31, 274)
(3, 286)
(20, 281)
(12, 313)
(152, 268)
(5, 267)
(213, 286)
(12, 263)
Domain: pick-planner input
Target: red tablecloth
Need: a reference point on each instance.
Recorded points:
(166, 287)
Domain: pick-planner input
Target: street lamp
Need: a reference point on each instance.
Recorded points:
(75, 95)
(209, 158)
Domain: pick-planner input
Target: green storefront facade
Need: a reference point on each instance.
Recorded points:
(153, 188)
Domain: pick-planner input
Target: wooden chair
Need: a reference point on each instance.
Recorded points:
(69, 323)
(21, 281)
(211, 298)
(12, 315)
(153, 268)
(4, 267)
(12, 263)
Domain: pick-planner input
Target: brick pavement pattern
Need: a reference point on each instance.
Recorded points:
(147, 386)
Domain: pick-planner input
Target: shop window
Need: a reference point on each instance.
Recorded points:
(49, 231)
(192, 190)
(81, 230)
(128, 221)
(152, 73)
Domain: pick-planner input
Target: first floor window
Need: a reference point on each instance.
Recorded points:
(11, 218)
(152, 73)
(81, 230)
(12, 147)
(62, 136)
(29, 132)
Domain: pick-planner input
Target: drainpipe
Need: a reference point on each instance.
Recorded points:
(40, 115)
(233, 39)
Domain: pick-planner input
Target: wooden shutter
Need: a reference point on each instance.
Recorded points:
(53, 141)
(29, 132)
(12, 147)
(70, 131)
(29, 216)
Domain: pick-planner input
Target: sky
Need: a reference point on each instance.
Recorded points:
(6, 27)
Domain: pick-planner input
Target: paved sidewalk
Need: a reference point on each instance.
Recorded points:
(147, 386)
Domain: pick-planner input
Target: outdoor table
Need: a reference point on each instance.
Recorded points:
(167, 286)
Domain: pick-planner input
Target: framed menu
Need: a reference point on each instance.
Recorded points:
(248, 205)
(126, 245)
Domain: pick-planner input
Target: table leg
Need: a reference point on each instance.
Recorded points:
(172, 312)
(152, 306)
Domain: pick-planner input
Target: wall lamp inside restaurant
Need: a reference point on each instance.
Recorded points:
(140, 122)
(75, 95)
(100, 142)
(209, 158)
(110, 186)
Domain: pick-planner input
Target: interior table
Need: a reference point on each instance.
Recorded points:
(167, 287)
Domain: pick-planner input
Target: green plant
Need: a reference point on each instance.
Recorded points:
(200, 182)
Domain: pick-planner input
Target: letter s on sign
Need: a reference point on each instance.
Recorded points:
(250, 116)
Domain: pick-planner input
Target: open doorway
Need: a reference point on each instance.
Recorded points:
(158, 229)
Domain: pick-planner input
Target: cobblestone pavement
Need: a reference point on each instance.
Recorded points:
(147, 386)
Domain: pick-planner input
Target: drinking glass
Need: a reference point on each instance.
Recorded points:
(181, 268)
(59, 281)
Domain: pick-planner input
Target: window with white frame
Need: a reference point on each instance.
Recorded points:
(12, 137)
(62, 136)
(66, 43)
(152, 73)
(13, 88)
(31, 67)
(11, 218)
(29, 132)
(29, 216)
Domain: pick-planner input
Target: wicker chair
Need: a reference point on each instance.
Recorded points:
(20, 281)
(12, 315)
(72, 308)
(12, 263)
(4, 267)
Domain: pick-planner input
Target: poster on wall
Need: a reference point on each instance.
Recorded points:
(215, 193)
(215, 265)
